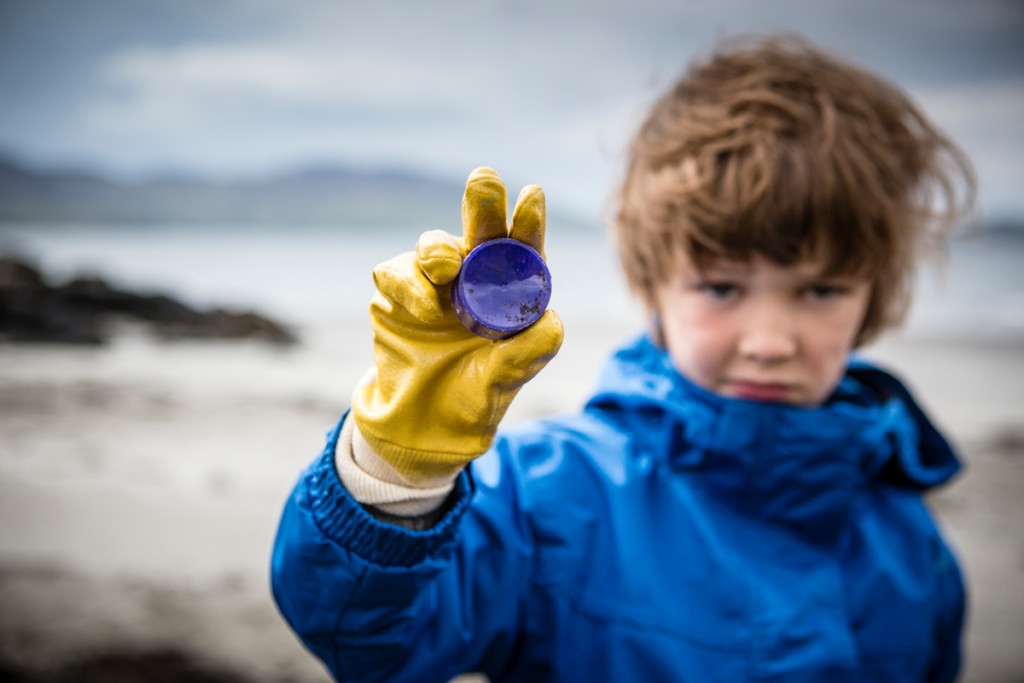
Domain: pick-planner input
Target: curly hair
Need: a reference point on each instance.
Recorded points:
(773, 147)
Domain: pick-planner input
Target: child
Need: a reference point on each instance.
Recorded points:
(738, 501)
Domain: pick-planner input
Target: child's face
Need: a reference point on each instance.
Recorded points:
(760, 331)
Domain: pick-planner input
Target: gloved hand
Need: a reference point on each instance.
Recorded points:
(439, 391)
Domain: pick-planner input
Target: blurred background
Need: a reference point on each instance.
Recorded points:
(193, 194)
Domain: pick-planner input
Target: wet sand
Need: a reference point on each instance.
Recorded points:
(140, 486)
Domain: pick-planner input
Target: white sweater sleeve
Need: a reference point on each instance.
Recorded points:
(372, 481)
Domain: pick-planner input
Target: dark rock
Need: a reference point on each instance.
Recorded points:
(223, 324)
(15, 274)
(29, 311)
(81, 312)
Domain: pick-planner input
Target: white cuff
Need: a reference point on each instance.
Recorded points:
(372, 481)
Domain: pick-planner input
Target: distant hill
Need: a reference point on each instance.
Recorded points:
(330, 195)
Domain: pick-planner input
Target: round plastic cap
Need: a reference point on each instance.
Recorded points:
(503, 287)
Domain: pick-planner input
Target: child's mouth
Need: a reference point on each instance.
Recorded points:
(759, 391)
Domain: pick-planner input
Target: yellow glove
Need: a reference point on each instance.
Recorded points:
(439, 391)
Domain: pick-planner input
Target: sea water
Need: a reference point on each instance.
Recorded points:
(304, 274)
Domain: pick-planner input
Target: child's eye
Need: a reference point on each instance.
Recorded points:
(720, 290)
(824, 291)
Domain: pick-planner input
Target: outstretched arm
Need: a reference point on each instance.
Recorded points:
(382, 601)
(379, 602)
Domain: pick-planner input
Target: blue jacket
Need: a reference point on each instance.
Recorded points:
(664, 534)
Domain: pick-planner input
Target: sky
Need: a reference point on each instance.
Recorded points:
(544, 92)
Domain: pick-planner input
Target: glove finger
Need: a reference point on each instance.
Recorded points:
(528, 219)
(484, 208)
(401, 281)
(521, 357)
(439, 255)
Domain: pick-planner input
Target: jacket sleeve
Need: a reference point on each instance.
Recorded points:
(375, 601)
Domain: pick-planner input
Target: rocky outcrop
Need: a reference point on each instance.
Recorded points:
(84, 311)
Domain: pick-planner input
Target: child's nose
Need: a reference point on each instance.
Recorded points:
(770, 336)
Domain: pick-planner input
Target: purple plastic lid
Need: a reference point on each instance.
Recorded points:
(503, 287)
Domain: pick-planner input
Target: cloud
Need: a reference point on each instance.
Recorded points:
(976, 104)
(252, 106)
(212, 69)
(986, 119)
(244, 104)
(548, 90)
(279, 73)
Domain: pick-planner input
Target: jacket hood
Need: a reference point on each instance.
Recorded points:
(794, 463)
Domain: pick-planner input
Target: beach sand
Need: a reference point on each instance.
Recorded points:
(141, 483)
